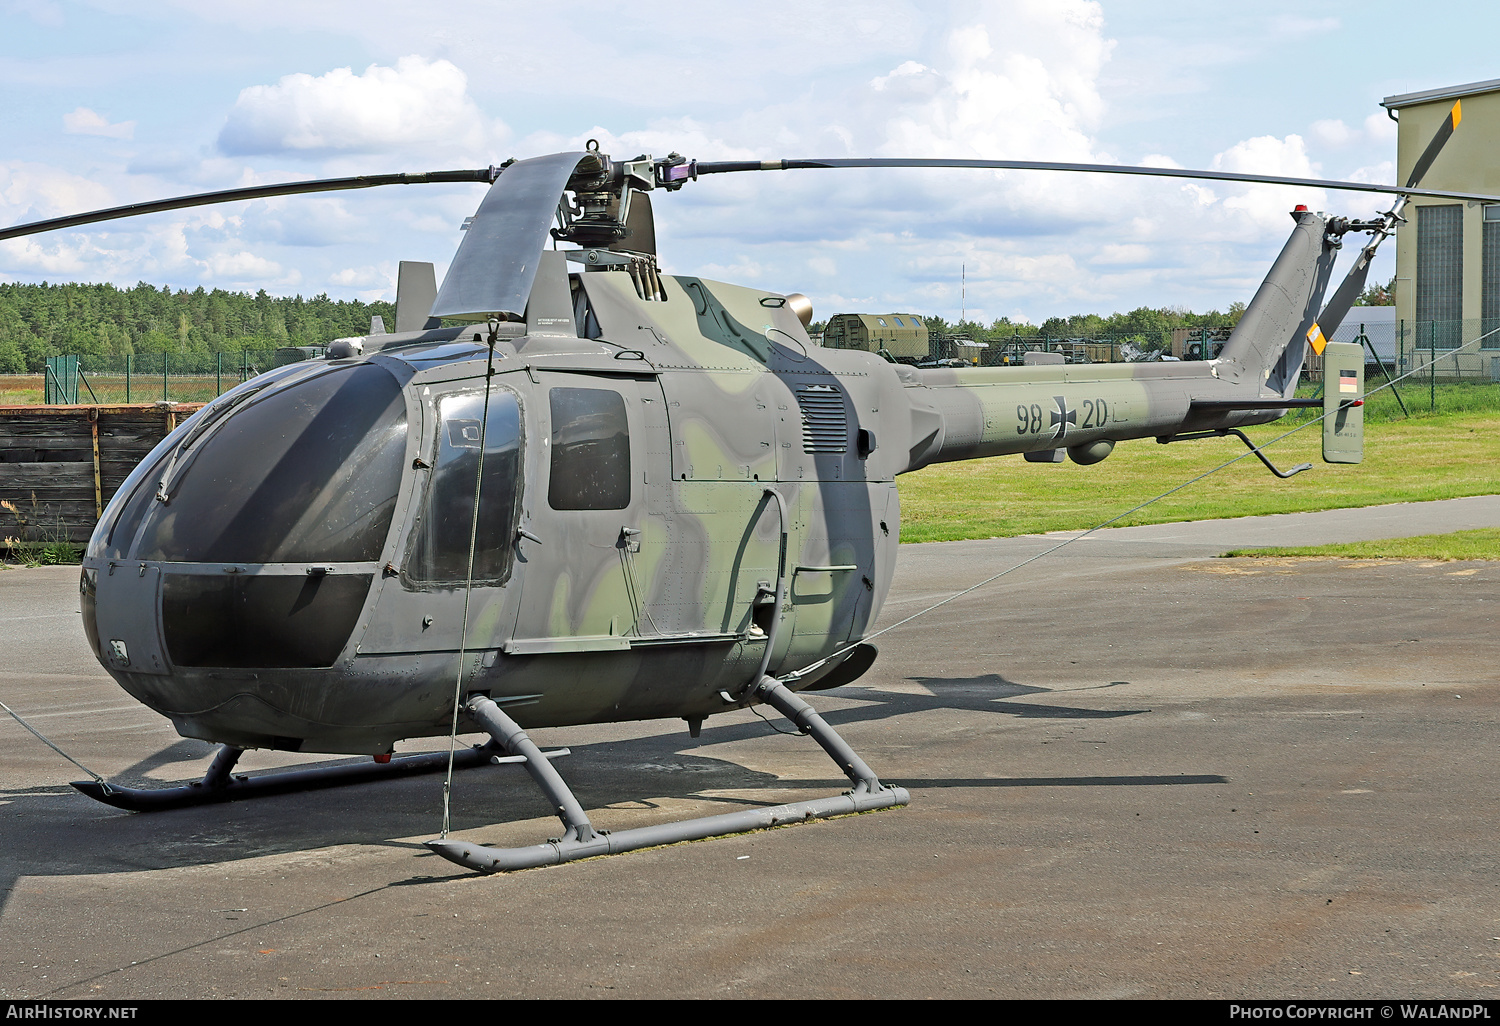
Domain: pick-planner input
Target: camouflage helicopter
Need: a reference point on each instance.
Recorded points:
(558, 496)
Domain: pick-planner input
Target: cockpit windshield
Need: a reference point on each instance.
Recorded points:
(304, 473)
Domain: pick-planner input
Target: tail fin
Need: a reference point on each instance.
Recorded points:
(1269, 343)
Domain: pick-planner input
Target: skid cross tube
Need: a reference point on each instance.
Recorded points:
(581, 840)
(221, 784)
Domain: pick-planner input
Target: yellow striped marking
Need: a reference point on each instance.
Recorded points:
(1315, 338)
(1456, 114)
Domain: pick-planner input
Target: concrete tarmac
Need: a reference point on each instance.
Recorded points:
(1136, 771)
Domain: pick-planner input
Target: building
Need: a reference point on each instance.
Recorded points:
(903, 335)
(1448, 253)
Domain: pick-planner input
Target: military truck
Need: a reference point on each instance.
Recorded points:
(901, 335)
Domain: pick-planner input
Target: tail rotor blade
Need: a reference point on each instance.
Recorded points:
(1353, 286)
(1439, 140)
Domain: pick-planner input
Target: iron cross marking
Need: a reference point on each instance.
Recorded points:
(1063, 416)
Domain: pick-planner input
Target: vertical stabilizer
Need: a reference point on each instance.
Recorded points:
(1267, 346)
(416, 288)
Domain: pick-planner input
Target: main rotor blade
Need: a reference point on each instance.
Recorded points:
(724, 166)
(496, 263)
(1439, 140)
(204, 199)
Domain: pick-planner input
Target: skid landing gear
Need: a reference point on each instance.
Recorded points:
(220, 784)
(580, 840)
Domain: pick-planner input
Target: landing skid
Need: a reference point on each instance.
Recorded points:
(220, 784)
(580, 840)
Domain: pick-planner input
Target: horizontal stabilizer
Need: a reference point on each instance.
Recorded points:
(1230, 405)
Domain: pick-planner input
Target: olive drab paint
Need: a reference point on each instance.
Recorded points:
(604, 494)
(654, 599)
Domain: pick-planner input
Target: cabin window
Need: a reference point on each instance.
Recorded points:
(590, 450)
(440, 544)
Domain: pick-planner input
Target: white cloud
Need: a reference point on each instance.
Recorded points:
(87, 122)
(1114, 253)
(33, 192)
(418, 102)
(380, 279)
(1376, 129)
(29, 255)
(1025, 79)
(1266, 205)
(1379, 128)
(1331, 132)
(906, 71)
(304, 221)
(242, 266)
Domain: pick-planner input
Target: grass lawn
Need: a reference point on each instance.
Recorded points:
(1427, 457)
(1481, 544)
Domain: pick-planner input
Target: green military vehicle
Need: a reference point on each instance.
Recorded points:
(901, 335)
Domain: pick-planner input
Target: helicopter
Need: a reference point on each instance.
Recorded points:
(557, 496)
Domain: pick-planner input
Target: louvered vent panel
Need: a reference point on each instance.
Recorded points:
(825, 421)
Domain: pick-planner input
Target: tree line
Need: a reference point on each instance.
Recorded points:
(38, 321)
(1148, 324)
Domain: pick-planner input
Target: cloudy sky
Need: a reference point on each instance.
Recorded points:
(109, 102)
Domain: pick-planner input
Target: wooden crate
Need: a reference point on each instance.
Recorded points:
(60, 465)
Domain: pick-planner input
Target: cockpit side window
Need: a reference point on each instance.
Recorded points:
(439, 551)
(590, 449)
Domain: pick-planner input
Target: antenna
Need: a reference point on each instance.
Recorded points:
(963, 292)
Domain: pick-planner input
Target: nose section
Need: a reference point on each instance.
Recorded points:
(253, 539)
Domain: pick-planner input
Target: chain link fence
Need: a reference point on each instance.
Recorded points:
(1392, 348)
(144, 378)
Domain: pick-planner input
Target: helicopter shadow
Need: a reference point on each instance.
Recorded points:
(54, 831)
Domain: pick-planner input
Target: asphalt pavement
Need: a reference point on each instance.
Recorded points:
(1136, 771)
